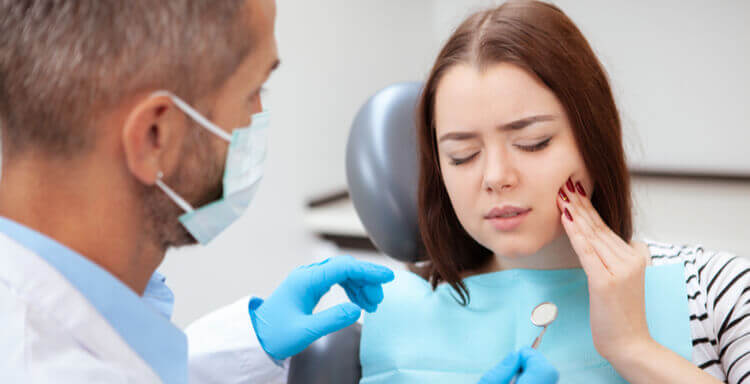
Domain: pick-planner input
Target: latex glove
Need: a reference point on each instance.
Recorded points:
(285, 324)
(530, 366)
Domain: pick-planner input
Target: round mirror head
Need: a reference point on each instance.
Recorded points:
(544, 314)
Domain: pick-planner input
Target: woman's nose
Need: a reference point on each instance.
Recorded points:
(500, 172)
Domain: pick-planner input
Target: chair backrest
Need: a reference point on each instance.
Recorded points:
(382, 172)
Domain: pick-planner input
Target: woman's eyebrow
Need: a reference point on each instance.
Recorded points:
(512, 126)
(457, 136)
(525, 122)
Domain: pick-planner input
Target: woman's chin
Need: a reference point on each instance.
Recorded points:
(517, 250)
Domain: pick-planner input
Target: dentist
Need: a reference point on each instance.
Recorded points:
(120, 141)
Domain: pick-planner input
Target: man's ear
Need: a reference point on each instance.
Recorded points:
(152, 137)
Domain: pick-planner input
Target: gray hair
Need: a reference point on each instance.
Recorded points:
(62, 61)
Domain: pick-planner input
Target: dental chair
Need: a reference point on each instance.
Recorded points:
(382, 173)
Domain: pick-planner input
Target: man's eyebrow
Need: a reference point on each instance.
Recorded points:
(525, 122)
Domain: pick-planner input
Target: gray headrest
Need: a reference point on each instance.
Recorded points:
(382, 172)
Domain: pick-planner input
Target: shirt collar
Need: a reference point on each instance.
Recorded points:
(141, 324)
(159, 296)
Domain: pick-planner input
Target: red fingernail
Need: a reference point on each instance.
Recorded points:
(567, 214)
(563, 196)
(570, 186)
(580, 189)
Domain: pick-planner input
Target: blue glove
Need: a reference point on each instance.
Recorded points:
(285, 324)
(530, 366)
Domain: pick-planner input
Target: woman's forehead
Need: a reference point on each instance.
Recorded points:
(467, 98)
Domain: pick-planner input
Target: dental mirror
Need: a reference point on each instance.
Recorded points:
(542, 316)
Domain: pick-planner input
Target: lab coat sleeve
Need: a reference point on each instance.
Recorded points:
(223, 348)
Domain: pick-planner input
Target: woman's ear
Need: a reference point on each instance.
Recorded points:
(152, 137)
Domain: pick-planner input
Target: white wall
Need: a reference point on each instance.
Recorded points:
(713, 213)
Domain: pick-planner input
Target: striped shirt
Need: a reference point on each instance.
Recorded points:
(718, 286)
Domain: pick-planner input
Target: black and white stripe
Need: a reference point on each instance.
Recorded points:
(718, 286)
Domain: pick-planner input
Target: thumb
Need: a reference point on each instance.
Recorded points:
(334, 319)
(503, 372)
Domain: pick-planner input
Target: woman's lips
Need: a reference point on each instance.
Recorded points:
(508, 223)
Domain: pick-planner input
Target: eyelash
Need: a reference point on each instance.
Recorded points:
(528, 148)
(465, 159)
(536, 147)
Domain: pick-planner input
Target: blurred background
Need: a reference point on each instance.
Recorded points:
(680, 75)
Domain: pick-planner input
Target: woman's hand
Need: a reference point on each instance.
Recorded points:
(616, 273)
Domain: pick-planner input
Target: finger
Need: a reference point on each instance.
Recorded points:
(619, 246)
(602, 229)
(536, 368)
(356, 295)
(610, 255)
(592, 264)
(504, 371)
(589, 222)
(343, 268)
(333, 319)
(374, 295)
(363, 295)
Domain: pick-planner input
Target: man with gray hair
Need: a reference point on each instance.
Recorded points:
(119, 141)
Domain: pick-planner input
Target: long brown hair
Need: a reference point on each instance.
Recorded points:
(540, 38)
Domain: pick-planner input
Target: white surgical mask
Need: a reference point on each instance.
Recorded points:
(242, 174)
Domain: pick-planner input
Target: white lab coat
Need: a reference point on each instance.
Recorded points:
(223, 348)
(50, 333)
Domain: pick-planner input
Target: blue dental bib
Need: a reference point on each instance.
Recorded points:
(419, 335)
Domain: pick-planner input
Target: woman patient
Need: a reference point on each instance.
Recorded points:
(524, 193)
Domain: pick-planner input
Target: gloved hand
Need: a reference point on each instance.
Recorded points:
(531, 366)
(285, 323)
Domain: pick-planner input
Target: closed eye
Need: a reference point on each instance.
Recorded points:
(535, 147)
(463, 159)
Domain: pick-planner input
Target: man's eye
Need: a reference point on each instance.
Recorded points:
(262, 91)
(535, 147)
(463, 159)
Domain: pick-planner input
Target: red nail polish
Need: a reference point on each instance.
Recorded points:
(563, 196)
(570, 186)
(580, 189)
(567, 214)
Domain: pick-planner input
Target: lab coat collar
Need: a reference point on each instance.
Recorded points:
(155, 339)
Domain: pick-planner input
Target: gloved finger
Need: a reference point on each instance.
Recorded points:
(503, 372)
(374, 295)
(357, 296)
(368, 295)
(536, 368)
(343, 268)
(333, 319)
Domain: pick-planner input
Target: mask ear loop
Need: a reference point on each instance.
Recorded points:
(188, 110)
(172, 194)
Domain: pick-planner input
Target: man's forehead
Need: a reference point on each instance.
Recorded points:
(260, 15)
